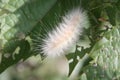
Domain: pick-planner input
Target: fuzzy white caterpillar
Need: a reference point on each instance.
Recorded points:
(66, 33)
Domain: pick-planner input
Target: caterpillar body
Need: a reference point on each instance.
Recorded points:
(65, 34)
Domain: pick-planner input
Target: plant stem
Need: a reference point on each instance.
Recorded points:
(83, 62)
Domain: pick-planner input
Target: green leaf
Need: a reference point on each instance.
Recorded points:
(28, 16)
(98, 46)
(17, 18)
(20, 54)
(73, 63)
(106, 65)
(111, 12)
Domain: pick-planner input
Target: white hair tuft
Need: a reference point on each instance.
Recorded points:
(65, 34)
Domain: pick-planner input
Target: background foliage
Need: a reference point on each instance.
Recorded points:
(98, 49)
